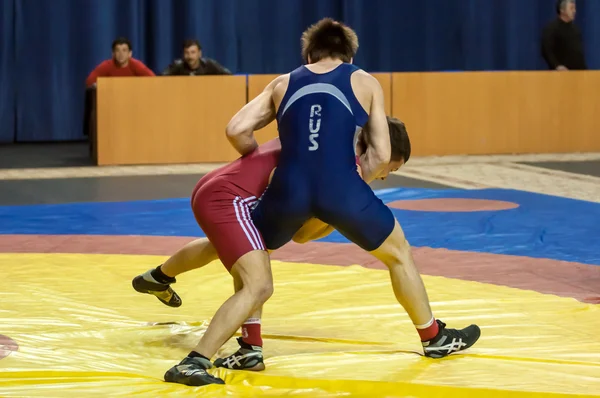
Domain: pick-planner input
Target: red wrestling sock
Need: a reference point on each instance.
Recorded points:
(251, 332)
(428, 331)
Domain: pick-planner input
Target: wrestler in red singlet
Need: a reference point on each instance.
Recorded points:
(222, 201)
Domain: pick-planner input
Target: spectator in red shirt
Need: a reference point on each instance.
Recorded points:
(121, 64)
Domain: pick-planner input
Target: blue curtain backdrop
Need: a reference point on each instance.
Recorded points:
(7, 72)
(48, 47)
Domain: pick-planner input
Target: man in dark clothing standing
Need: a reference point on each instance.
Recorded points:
(562, 43)
(193, 64)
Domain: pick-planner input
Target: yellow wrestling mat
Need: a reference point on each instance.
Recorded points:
(83, 331)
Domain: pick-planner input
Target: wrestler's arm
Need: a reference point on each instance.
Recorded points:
(255, 115)
(376, 134)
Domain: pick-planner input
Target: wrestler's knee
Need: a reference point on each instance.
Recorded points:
(253, 271)
(258, 292)
(263, 291)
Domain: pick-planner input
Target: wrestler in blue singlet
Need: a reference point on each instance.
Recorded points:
(317, 175)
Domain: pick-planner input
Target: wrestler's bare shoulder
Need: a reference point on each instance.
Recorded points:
(364, 86)
(280, 85)
(363, 78)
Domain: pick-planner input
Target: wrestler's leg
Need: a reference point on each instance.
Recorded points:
(157, 281)
(251, 327)
(369, 223)
(254, 271)
(194, 255)
(250, 354)
(395, 253)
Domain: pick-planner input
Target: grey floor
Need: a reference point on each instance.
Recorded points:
(105, 189)
(126, 188)
(117, 189)
(37, 155)
(591, 167)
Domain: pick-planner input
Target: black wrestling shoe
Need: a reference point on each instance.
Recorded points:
(448, 341)
(248, 357)
(192, 372)
(145, 283)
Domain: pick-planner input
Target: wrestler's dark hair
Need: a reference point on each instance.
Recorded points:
(329, 39)
(399, 140)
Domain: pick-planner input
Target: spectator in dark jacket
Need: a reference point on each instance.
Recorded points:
(562, 43)
(193, 64)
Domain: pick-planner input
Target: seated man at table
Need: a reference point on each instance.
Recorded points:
(121, 64)
(193, 64)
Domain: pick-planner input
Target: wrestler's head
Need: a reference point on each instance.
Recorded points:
(400, 146)
(329, 39)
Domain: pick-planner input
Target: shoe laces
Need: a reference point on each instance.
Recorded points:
(452, 333)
